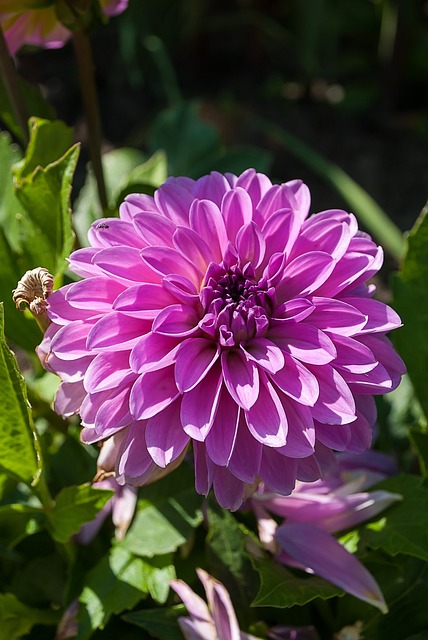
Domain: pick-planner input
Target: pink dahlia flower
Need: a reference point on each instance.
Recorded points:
(40, 26)
(218, 313)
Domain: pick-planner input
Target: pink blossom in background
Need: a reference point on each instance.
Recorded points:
(40, 26)
(314, 511)
(218, 313)
(213, 622)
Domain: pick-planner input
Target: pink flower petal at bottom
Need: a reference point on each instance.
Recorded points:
(317, 552)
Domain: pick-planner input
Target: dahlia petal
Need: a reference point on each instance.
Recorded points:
(147, 297)
(335, 404)
(303, 341)
(192, 246)
(193, 603)
(125, 265)
(316, 466)
(67, 370)
(195, 629)
(207, 221)
(237, 210)
(246, 456)
(80, 262)
(211, 187)
(228, 490)
(336, 437)
(165, 260)
(346, 272)
(204, 469)
(182, 289)
(361, 435)
(265, 353)
(266, 418)
(174, 201)
(131, 468)
(253, 183)
(153, 351)
(250, 244)
(241, 378)
(304, 275)
(301, 433)
(106, 371)
(195, 357)
(383, 351)
(279, 197)
(336, 316)
(332, 237)
(353, 356)
(152, 392)
(221, 437)
(165, 438)
(302, 197)
(375, 382)
(61, 312)
(176, 320)
(297, 309)
(110, 232)
(116, 329)
(280, 232)
(381, 318)
(114, 412)
(221, 607)
(297, 382)
(199, 406)
(154, 229)
(69, 343)
(303, 541)
(277, 473)
(96, 294)
(69, 398)
(136, 203)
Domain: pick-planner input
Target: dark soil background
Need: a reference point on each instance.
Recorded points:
(348, 78)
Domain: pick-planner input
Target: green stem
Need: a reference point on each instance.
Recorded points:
(360, 202)
(11, 83)
(85, 65)
(44, 495)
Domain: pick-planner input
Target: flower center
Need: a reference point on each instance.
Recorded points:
(236, 307)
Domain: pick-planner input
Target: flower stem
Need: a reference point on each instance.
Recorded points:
(10, 79)
(85, 65)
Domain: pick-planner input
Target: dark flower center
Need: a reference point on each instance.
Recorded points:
(236, 306)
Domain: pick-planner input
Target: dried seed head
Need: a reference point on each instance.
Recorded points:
(32, 291)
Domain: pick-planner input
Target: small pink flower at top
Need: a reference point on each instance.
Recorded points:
(40, 26)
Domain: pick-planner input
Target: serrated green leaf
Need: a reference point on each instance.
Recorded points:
(17, 619)
(280, 588)
(410, 289)
(117, 583)
(19, 449)
(404, 527)
(48, 142)
(73, 507)
(45, 195)
(160, 623)
(166, 516)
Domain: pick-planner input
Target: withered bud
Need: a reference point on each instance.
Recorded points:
(31, 293)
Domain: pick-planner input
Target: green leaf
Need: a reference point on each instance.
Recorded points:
(160, 623)
(45, 194)
(166, 516)
(17, 619)
(420, 443)
(404, 527)
(73, 507)
(187, 140)
(410, 288)
(117, 583)
(280, 588)
(19, 449)
(18, 521)
(32, 97)
(48, 142)
(9, 204)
